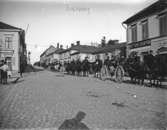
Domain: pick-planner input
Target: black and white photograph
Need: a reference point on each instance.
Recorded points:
(83, 64)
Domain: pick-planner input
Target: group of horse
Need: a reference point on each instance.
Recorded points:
(151, 70)
(82, 68)
(140, 72)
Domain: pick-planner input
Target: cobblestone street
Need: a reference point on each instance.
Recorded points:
(45, 99)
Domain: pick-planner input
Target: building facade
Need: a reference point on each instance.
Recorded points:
(82, 51)
(147, 30)
(47, 56)
(116, 50)
(12, 46)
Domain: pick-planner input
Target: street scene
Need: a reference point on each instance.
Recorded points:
(83, 65)
(45, 99)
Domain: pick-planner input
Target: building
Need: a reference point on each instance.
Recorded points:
(78, 52)
(82, 51)
(65, 55)
(55, 56)
(147, 30)
(114, 50)
(47, 56)
(12, 46)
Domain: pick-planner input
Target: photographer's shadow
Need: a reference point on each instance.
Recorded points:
(74, 123)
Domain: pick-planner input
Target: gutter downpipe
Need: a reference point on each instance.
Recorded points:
(127, 50)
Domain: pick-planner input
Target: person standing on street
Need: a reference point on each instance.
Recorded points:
(119, 73)
(98, 65)
(1, 71)
(4, 69)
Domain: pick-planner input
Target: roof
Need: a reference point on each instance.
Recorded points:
(57, 51)
(150, 10)
(52, 48)
(110, 48)
(65, 50)
(84, 48)
(81, 48)
(7, 26)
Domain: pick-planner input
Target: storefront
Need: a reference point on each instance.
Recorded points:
(142, 48)
(8, 57)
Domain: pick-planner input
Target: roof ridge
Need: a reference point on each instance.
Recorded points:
(7, 26)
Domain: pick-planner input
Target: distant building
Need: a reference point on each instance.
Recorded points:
(55, 56)
(12, 46)
(114, 50)
(46, 57)
(147, 30)
(78, 51)
(82, 51)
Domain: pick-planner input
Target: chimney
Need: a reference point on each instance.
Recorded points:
(57, 45)
(78, 43)
(72, 44)
(116, 41)
(67, 47)
(61, 46)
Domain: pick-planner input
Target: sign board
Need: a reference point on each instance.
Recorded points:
(140, 44)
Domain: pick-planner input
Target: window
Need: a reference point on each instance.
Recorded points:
(163, 24)
(144, 29)
(8, 42)
(0, 42)
(134, 33)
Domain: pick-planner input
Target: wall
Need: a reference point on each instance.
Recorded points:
(153, 28)
(14, 48)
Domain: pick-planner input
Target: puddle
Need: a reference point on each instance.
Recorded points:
(118, 104)
(92, 94)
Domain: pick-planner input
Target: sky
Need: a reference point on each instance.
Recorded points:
(48, 22)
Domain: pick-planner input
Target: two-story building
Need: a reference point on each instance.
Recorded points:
(78, 52)
(82, 51)
(47, 56)
(115, 50)
(147, 30)
(55, 56)
(12, 46)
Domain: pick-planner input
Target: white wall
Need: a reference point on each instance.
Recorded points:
(153, 28)
(15, 47)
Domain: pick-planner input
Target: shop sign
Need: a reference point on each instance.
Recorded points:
(140, 44)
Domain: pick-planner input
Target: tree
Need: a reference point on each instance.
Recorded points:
(103, 41)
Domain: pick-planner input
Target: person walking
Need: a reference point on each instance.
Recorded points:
(1, 71)
(119, 73)
(98, 65)
(85, 65)
(4, 69)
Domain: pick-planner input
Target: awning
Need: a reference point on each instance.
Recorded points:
(162, 50)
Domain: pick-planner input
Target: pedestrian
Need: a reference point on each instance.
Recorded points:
(4, 69)
(97, 67)
(74, 123)
(1, 71)
(119, 73)
(107, 62)
(78, 67)
(85, 66)
(21, 70)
